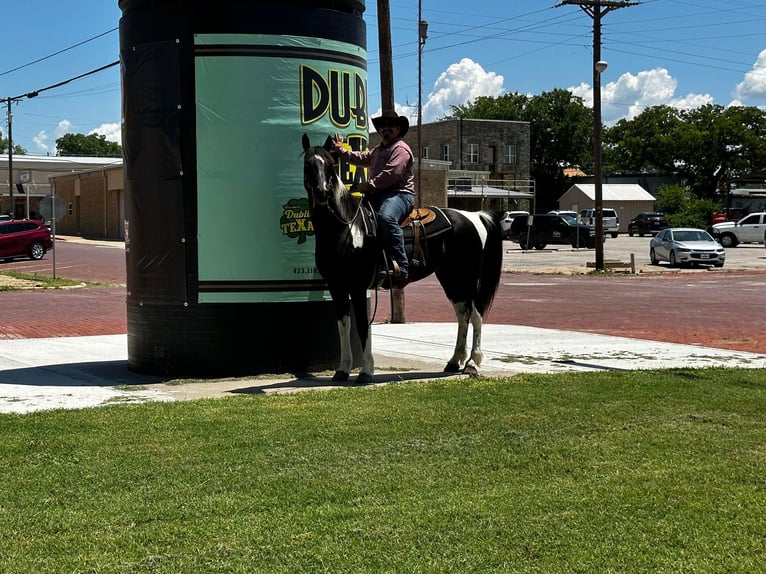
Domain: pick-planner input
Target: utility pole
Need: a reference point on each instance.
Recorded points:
(9, 101)
(597, 9)
(386, 60)
(387, 103)
(422, 36)
(11, 201)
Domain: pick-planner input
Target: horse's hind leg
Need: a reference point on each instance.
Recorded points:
(466, 313)
(474, 362)
(462, 313)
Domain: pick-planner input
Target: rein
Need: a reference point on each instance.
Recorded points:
(340, 219)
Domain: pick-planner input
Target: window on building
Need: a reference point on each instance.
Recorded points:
(473, 153)
(424, 153)
(510, 154)
(445, 152)
(69, 209)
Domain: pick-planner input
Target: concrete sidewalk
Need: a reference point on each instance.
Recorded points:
(77, 372)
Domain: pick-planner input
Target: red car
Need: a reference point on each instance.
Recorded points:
(24, 237)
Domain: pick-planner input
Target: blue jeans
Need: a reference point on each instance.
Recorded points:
(393, 207)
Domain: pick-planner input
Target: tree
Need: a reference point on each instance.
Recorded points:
(560, 132)
(645, 144)
(17, 149)
(683, 208)
(91, 145)
(704, 146)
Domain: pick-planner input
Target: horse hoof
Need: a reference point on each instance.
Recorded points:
(452, 367)
(340, 376)
(363, 379)
(471, 371)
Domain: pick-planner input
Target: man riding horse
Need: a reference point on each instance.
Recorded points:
(390, 189)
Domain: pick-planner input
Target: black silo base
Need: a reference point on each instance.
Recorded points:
(232, 340)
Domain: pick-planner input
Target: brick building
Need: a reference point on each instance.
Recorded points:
(31, 179)
(484, 158)
(95, 202)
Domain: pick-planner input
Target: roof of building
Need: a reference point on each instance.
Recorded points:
(614, 191)
(486, 191)
(57, 160)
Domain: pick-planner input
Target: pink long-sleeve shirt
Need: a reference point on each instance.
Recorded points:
(390, 166)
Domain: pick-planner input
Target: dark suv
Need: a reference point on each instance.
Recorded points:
(647, 222)
(24, 238)
(555, 229)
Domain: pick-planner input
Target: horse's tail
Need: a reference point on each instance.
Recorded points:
(491, 262)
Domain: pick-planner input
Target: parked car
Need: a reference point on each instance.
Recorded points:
(647, 222)
(507, 219)
(24, 238)
(558, 212)
(686, 246)
(610, 221)
(556, 229)
(728, 214)
(749, 229)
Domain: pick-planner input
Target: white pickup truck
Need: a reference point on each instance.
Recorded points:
(749, 229)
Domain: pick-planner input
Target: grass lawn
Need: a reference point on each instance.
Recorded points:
(652, 472)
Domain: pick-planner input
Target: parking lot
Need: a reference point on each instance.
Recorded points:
(617, 255)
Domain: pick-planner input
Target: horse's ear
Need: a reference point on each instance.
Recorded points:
(328, 145)
(306, 142)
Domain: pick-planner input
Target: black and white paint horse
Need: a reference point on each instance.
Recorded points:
(466, 258)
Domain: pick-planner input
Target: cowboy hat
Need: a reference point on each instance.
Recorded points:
(401, 121)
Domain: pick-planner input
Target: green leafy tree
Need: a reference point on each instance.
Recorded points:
(704, 146)
(560, 131)
(92, 145)
(17, 149)
(644, 144)
(683, 208)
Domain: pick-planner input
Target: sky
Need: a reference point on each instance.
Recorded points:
(682, 53)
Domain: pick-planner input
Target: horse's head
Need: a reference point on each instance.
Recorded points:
(319, 177)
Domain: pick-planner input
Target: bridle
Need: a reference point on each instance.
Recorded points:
(328, 185)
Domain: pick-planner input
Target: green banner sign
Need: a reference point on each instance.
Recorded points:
(255, 97)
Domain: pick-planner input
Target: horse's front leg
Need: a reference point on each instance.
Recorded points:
(462, 313)
(343, 317)
(367, 370)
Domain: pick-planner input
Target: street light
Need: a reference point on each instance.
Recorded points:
(599, 66)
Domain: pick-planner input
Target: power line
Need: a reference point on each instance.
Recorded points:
(72, 47)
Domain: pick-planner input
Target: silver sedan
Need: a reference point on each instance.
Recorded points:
(686, 246)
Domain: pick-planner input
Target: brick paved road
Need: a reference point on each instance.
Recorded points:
(720, 309)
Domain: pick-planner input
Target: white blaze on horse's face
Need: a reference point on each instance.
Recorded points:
(321, 180)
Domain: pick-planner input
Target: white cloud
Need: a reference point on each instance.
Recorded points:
(112, 132)
(631, 94)
(754, 84)
(64, 127)
(460, 83)
(41, 142)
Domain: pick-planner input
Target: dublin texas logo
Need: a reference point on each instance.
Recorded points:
(296, 220)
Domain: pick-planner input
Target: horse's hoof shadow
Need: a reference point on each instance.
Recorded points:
(363, 379)
(452, 368)
(340, 377)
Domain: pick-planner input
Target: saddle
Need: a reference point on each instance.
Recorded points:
(420, 225)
